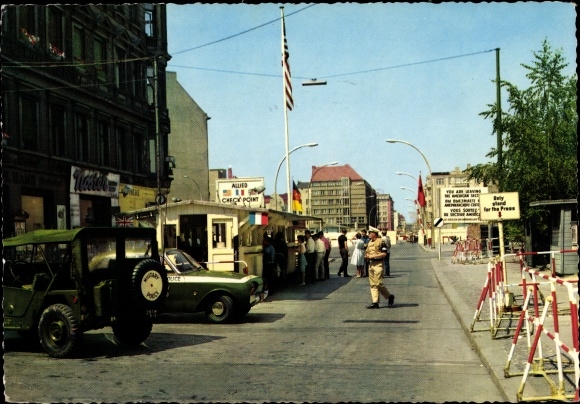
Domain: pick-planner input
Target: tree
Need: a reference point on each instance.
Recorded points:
(540, 138)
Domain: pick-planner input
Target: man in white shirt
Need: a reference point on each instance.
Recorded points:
(320, 251)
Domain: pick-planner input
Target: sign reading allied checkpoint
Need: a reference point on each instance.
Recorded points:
(500, 206)
(461, 205)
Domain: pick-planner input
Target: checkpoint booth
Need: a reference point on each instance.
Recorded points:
(223, 237)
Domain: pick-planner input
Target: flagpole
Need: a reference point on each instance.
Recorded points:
(285, 82)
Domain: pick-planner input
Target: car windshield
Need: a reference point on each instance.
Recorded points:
(181, 261)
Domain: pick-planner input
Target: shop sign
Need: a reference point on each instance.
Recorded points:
(94, 182)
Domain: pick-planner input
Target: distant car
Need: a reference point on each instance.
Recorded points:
(222, 296)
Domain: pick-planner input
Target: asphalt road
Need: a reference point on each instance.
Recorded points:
(308, 343)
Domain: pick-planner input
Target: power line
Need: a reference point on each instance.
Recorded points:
(240, 33)
(335, 75)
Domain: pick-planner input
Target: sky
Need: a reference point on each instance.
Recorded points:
(417, 72)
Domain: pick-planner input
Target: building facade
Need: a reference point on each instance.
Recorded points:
(188, 143)
(84, 113)
(340, 197)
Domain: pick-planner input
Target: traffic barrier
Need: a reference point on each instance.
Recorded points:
(536, 364)
(467, 251)
(501, 303)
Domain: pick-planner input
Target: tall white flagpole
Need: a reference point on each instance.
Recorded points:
(285, 83)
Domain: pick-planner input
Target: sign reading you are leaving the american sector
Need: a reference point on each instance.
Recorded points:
(461, 205)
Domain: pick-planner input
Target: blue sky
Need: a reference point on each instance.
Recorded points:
(418, 72)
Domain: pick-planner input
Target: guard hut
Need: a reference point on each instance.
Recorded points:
(563, 233)
(223, 237)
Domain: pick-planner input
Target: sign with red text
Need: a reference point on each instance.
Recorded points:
(500, 206)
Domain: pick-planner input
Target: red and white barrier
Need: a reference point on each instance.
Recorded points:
(536, 362)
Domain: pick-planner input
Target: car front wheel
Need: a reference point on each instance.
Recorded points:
(220, 309)
(59, 331)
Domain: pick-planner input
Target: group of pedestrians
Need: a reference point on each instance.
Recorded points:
(313, 260)
(370, 256)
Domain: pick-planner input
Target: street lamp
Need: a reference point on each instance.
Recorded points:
(310, 184)
(358, 206)
(370, 213)
(278, 170)
(408, 175)
(433, 187)
(196, 184)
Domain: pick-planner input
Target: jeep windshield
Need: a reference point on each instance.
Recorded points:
(181, 262)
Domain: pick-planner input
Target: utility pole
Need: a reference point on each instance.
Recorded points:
(498, 123)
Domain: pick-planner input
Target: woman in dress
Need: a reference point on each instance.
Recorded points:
(358, 255)
(302, 258)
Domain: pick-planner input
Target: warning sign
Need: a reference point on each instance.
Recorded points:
(504, 206)
(461, 205)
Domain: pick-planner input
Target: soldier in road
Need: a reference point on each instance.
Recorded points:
(375, 255)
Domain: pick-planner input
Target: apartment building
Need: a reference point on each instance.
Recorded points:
(84, 120)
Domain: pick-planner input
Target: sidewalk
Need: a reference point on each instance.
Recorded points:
(462, 285)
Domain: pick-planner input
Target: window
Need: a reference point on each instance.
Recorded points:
(78, 45)
(82, 136)
(55, 33)
(440, 181)
(27, 25)
(103, 156)
(142, 153)
(121, 70)
(122, 149)
(57, 131)
(100, 58)
(29, 124)
(149, 20)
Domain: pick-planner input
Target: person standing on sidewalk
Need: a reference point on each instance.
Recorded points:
(302, 258)
(310, 257)
(269, 263)
(343, 247)
(358, 255)
(365, 238)
(320, 251)
(375, 255)
(326, 260)
(387, 245)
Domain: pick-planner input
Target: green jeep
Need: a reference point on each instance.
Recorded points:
(59, 283)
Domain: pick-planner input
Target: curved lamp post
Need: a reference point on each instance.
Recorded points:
(310, 184)
(358, 206)
(433, 187)
(196, 184)
(280, 165)
(408, 175)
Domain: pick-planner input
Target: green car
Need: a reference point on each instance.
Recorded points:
(222, 296)
(58, 284)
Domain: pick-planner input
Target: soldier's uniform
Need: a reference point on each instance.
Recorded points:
(376, 274)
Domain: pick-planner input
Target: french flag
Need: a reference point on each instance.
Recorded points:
(259, 218)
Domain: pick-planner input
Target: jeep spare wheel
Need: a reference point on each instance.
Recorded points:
(149, 284)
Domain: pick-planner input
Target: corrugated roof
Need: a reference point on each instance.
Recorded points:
(334, 173)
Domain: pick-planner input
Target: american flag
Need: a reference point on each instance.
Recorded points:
(286, 70)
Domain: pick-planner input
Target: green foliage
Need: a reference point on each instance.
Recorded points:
(539, 136)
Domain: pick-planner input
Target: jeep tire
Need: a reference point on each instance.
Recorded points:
(149, 285)
(132, 329)
(59, 331)
(220, 309)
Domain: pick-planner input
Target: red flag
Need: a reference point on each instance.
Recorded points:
(421, 194)
(286, 69)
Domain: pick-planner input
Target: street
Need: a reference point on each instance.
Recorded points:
(305, 343)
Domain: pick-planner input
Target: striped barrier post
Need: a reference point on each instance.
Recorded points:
(535, 364)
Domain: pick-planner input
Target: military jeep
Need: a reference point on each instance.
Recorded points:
(60, 283)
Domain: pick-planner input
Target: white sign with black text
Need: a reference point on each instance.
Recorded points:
(500, 206)
(461, 205)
